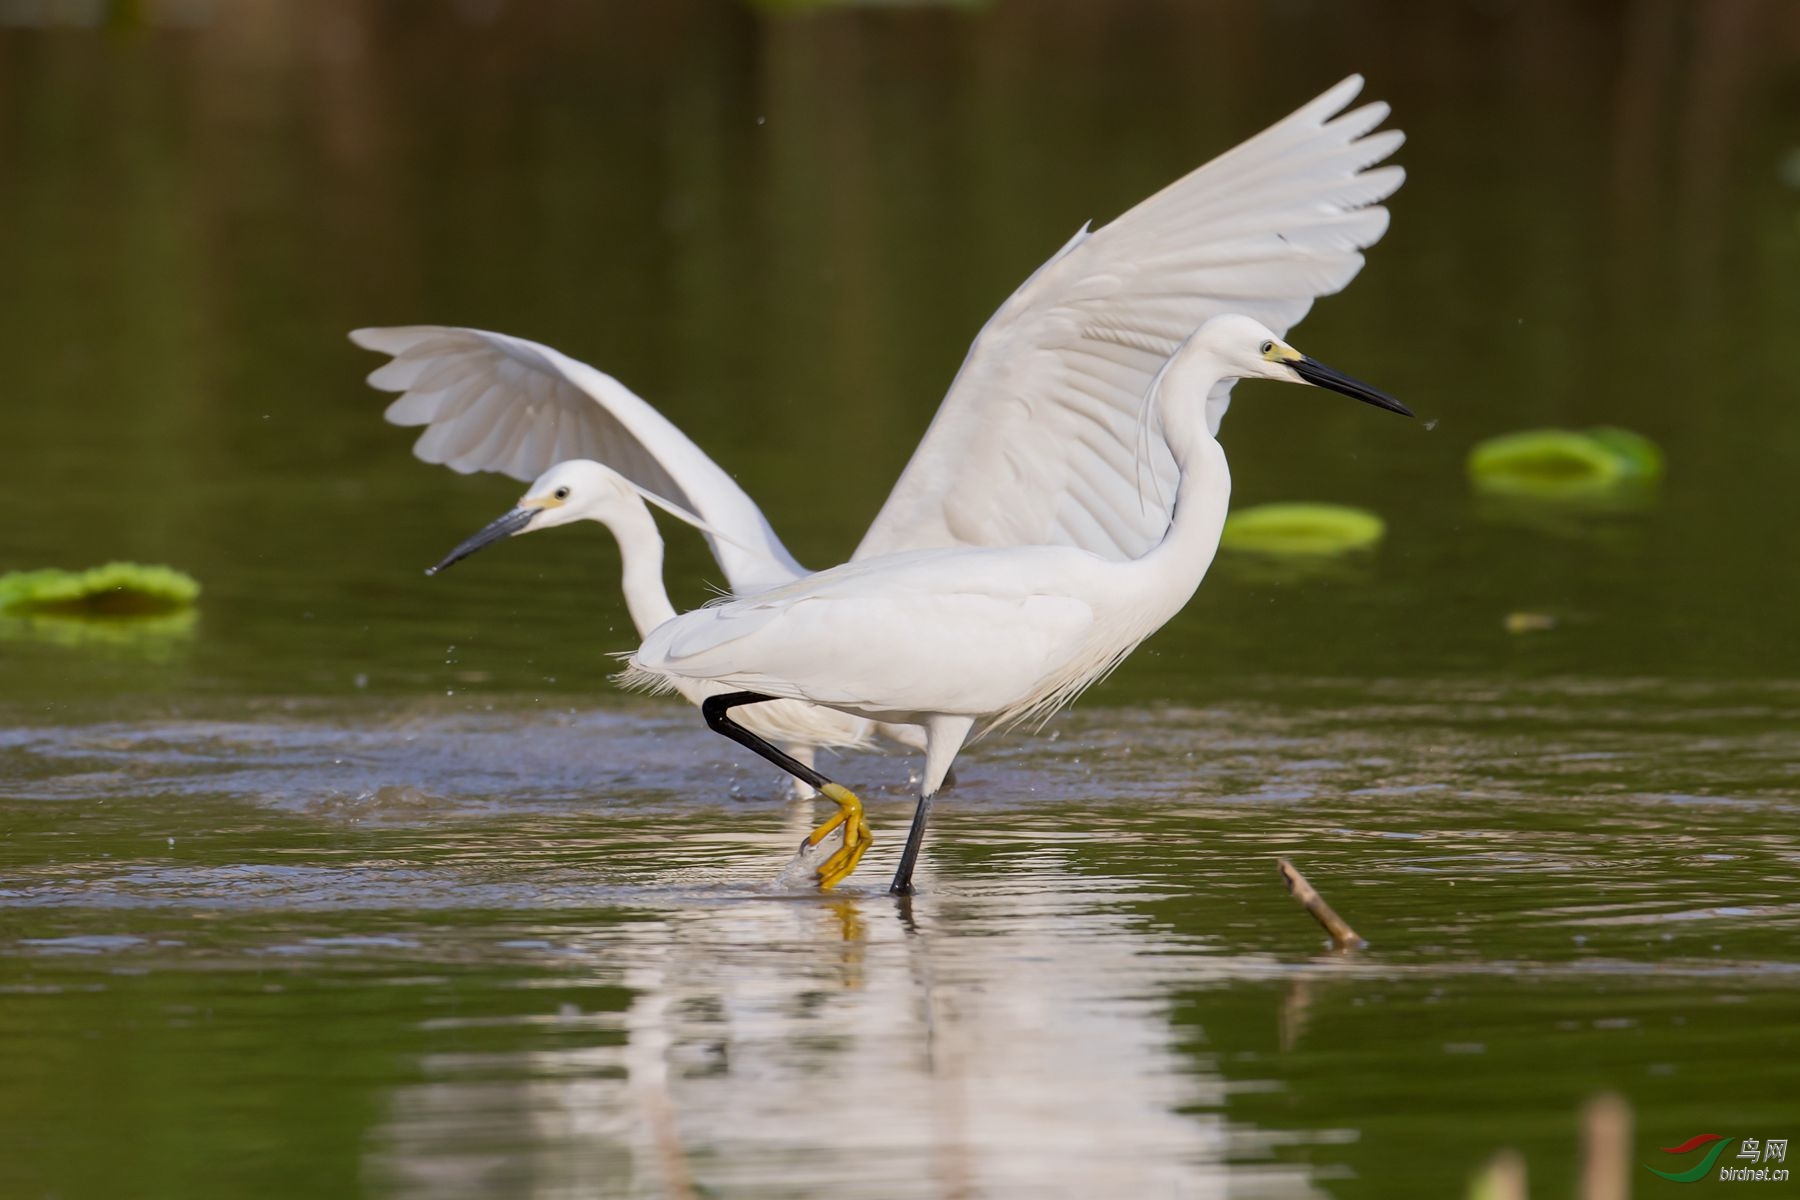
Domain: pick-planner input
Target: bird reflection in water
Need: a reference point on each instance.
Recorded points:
(1007, 1041)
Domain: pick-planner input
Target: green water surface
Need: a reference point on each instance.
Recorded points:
(363, 883)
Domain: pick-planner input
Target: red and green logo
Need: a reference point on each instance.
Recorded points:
(1718, 1141)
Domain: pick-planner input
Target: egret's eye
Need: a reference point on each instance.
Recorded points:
(1268, 348)
(562, 493)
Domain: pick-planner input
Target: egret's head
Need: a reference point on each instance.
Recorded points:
(577, 490)
(1248, 349)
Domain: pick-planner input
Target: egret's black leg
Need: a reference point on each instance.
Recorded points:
(717, 709)
(944, 736)
(857, 835)
(915, 838)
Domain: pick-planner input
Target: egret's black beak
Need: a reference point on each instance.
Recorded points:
(1316, 372)
(501, 527)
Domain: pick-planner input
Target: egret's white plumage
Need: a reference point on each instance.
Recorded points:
(960, 639)
(1035, 444)
(491, 402)
(1036, 441)
(583, 490)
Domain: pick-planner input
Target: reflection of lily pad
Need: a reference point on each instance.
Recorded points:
(115, 590)
(1558, 464)
(1587, 516)
(152, 636)
(1301, 529)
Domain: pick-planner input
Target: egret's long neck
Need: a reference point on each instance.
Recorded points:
(1179, 562)
(641, 563)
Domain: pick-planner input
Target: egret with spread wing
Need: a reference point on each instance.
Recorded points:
(1037, 440)
(962, 639)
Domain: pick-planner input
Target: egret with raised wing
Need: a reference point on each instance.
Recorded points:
(1036, 442)
(966, 640)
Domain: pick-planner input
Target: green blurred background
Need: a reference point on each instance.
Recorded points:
(367, 883)
(784, 229)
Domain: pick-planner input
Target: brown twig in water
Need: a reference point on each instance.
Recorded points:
(1342, 936)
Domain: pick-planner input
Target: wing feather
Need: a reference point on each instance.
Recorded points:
(1037, 440)
(489, 402)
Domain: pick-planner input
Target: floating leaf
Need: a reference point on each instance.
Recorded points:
(117, 589)
(1642, 457)
(1304, 529)
(1565, 465)
(1546, 462)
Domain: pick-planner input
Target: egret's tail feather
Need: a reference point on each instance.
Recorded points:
(636, 679)
(1058, 695)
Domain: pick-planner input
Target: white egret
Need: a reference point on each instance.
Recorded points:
(587, 491)
(958, 637)
(1036, 441)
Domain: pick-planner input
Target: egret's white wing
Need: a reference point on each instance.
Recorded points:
(490, 402)
(1037, 441)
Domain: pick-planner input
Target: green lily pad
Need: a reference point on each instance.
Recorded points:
(1558, 464)
(1642, 457)
(1545, 460)
(1302, 529)
(117, 589)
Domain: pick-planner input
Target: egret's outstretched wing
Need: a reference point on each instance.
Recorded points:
(1037, 441)
(490, 402)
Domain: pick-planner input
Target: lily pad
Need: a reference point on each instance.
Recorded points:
(1556, 464)
(116, 589)
(1302, 529)
(1642, 457)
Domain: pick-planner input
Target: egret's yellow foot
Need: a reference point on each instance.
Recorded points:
(857, 836)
